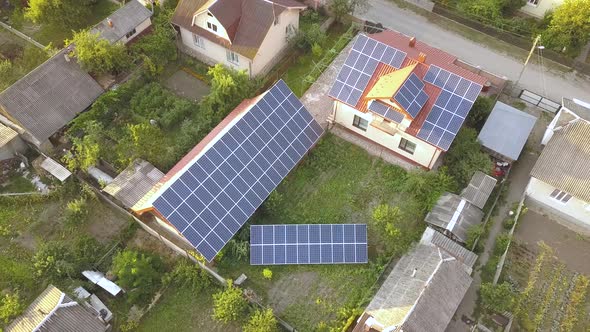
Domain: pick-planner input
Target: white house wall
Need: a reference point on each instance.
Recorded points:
(424, 154)
(541, 8)
(577, 210)
(139, 29)
(202, 19)
(211, 53)
(275, 42)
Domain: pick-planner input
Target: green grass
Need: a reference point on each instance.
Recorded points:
(182, 309)
(56, 35)
(337, 182)
(18, 184)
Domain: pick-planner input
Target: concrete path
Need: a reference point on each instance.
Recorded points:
(479, 49)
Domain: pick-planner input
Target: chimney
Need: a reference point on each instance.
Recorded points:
(412, 41)
(110, 22)
(414, 272)
(421, 57)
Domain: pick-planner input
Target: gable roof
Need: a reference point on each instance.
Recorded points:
(423, 290)
(479, 189)
(50, 96)
(54, 311)
(124, 20)
(454, 214)
(134, 182)
(247, 22)
(565, 159)
(581, 108)
(506, 130)
(7, 134)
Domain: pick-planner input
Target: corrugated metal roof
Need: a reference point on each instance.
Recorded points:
(247, 22)
(124, 20)
(479, 189)
(564, 161)
(577, 106)
(50, 96)
(506, 130)
(55, 169)
(455, 214)
(134, 182)
(7, 134)
(453, 248)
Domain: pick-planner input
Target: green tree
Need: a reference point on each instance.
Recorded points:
(341, 8)
(144, 141)
(6, 74)
(426, 187)
(86, 150)
(54, 261)
(10, 307)
(139, 273)
(188, 274)
(157, 48)
(388, 219)
(479, 112)
(473, 233)
(261, 321)
(229, 304)
(99, 56)
(465, 157)
(499, 298)
(570, 25)
(62, 13)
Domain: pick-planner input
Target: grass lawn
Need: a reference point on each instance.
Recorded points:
(181, 309)
(336, 183)
(17, 184)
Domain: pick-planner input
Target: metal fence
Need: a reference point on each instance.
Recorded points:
(540, 101)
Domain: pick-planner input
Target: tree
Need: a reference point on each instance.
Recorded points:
(465, 157)
(10, 307)
(499, 298)
(6, 74)
(388, 218)
(570, 25)
(139, 273)
(341, 8)
(229, 304)
(86, 150)
(479, 112)
(62, 13)
(261, 321)
(188, 274)
(97, 55)
(158, 48)
(53, 261)
(426, 187)
(143, 141)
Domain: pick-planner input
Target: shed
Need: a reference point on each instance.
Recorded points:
(10, 143)
(506, 131)
(134, 182)
(125, 23)
(479, 189)
(55, 169)
(453, 216)
(99, 279)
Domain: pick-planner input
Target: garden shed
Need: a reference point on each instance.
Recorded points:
(134, 182)
(453, 216)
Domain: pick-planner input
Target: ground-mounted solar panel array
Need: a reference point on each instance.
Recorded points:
(308, 244)
(386, 111)
(216, 194)
(360, 65)
(411, 95)
(451, 107)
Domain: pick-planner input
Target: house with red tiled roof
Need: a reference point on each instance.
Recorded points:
(404, 95)
(249, 35)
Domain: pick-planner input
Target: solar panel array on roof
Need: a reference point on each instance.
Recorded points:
(308, 244)
(223, 187)
(360, 65)
(451, 107)
(411, 95)
(386, 111)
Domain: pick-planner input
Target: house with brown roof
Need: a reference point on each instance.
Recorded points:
(423, 290)
(560, 180)
(249, 35)
(404, 95)
(55, 311)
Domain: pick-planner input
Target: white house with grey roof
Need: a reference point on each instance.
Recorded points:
(125, 24)
(560, 180)
(423, 290)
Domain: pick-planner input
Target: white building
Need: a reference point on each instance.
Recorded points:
(538, 8)
(560, 180)
(125, 24)
(249, 35)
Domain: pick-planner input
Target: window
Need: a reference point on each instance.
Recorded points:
(360, 123)
(407, 146)
(533, 2)
(130, 33)
(233, 57)
(198, 40)
(560, 196)
(212, 26)
(211, 15)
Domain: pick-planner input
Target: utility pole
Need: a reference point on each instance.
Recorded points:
(535, 42)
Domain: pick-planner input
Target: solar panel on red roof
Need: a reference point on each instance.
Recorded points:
(411, 95)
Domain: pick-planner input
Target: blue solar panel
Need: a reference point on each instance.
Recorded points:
(360, 65)
(451, 107)
(386, 111)
(308, 244)
(215, 195)
(411, 95)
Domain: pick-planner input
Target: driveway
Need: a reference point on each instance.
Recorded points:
(500, 58)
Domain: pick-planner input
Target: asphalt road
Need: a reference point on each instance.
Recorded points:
(500, 58)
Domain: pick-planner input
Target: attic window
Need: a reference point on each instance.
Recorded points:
(212, 26)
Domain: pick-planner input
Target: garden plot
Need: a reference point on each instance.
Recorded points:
(336, 183)
(185, 85)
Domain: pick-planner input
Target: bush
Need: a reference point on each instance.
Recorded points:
(508, 223)
(157, 48)
(501, 244)
(308, 36)
(473, 233)
(499, 298)
(479, 112)
(229, 304)
(262, 321)
(316, 50)
(187, 274)
(99, 56)
(11, 306)
(426, 187)
(76, 212)
(465, 157)
(139, 273)
(267, 274)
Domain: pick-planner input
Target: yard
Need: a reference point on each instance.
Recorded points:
(336, 183)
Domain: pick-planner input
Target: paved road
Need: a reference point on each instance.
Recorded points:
(558, 82)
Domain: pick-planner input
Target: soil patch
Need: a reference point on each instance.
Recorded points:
(187, 86)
